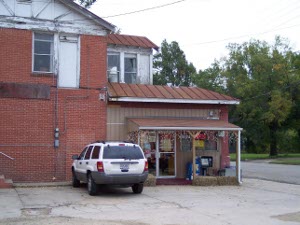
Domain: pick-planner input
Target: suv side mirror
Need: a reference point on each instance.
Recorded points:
(75, 157)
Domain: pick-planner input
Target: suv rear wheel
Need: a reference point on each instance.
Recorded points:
(137, 188)
(91, 185)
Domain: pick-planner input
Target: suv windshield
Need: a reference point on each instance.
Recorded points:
(122, 152)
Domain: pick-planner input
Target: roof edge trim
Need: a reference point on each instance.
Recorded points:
(85, 12)
(190, 128)
(163, 100)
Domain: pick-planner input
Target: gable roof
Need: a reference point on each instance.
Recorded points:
(121, 92)
(130, 40)
(88, 14)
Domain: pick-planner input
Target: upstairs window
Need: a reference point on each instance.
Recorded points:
(43, 53)
(122, 67)
(113, 67)
(130, 68)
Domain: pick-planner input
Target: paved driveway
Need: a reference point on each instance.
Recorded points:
(262, 169)
(254, 202)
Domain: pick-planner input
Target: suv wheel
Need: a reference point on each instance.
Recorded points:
(137, 188)
(75, 181)
(92, 186)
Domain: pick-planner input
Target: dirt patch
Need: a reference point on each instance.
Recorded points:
(291, 217)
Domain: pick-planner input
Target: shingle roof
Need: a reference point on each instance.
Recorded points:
(130, 40)
(166, 94)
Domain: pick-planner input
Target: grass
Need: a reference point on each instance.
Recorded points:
(252, 156)
(287, 161)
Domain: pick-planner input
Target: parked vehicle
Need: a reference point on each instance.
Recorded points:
(110, 163)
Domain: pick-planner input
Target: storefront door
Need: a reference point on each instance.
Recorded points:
(166, 154)
(159, 148)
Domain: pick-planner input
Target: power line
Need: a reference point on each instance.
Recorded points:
(146, 9)
(242, 36)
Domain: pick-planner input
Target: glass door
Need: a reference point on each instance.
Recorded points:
(165, 154)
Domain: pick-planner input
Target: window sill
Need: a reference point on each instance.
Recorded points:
(42, 74)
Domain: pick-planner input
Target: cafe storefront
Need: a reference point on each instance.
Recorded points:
(171, 144)
(177, 127)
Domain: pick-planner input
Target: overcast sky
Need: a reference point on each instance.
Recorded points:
(203, 28)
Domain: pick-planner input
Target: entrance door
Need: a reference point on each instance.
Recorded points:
(166, 154)
(68, 76)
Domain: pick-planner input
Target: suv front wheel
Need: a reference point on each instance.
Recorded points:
(137, 188)
(75, 181)
(91, 185)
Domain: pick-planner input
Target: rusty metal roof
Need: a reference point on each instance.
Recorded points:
(130, 40)
(179, 124)
(165, 94)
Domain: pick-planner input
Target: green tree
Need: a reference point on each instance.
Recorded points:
(211, 78)
(266, 80)
(85, 3)
(172, 66)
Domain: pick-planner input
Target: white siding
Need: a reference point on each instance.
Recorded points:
(46, 15)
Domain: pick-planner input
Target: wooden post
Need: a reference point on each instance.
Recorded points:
(238, 157)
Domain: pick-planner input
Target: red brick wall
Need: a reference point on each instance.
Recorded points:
(27, 125)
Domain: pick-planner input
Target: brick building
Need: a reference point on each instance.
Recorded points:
(52, 72)
(66, 81)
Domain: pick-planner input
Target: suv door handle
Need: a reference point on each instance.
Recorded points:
(87, 162)
(80, 163)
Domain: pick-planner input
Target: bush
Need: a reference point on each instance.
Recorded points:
(151, 181)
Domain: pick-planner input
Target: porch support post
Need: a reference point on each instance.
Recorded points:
(194, 135)
(238, 158)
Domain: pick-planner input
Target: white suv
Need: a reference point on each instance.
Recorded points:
(114, 163)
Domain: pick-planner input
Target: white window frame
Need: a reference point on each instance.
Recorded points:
(52, 53)
(111, 72)
(131, 56)
(121, 72)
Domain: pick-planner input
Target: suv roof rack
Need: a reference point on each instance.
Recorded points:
(99, 141)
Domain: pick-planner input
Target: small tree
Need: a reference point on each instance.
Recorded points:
(172, 66)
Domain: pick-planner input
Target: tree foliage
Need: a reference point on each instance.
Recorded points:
(85, 3)
(172, 66)
(266, 79)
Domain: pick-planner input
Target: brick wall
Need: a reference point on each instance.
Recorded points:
(27, 125)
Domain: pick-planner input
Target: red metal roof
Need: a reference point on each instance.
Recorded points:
(182, 124)
(130, 40)
(166, 94)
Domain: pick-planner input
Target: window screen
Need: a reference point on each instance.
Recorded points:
(130, 68)
(43, 53)
(113, 67)
(122, 152)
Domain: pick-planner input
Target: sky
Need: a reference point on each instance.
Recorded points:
(203, 28)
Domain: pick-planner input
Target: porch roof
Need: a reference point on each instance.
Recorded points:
(179, 124)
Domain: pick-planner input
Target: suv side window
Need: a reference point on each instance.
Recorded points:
(81, 156)
(96, 151)
(88, 153)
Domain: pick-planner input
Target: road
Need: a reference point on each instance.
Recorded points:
(256, 202)
(262, 169)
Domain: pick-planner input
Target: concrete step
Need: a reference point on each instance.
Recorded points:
(5, 183)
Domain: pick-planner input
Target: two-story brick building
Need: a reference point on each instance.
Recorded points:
(66, 81)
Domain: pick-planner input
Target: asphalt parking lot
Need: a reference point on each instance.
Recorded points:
(254, 202)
